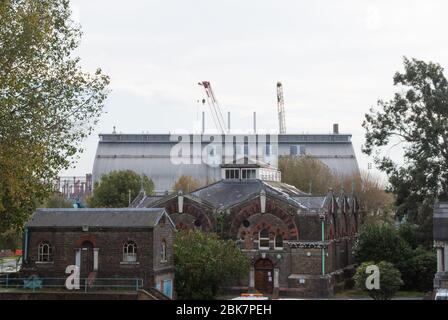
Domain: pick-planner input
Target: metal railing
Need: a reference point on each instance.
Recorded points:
(36, 284)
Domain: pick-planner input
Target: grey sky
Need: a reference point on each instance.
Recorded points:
(334, 58)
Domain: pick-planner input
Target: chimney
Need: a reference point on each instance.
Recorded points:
(203, 122)
(255, 122)
(228, 121)
(335, 128)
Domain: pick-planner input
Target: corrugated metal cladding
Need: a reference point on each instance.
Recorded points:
(149, 154)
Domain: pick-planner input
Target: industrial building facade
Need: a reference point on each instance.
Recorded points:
(166, 157)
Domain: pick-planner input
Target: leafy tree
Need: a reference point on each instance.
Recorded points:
(380, 242)
(376, 204)
(390, 280)
(11, 240)
(118, 188)
(415, 119)
(306, 173)
(57, 200)
(48, 104)
(186, 184)
(204, 263)
(418, 270)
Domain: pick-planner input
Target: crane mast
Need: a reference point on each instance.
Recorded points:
(215, 109)
(281, 109)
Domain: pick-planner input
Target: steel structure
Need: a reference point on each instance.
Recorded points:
(281, 109)
(215, 109)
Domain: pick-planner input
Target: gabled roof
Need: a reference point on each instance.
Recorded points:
(312, 203)
(98, 217)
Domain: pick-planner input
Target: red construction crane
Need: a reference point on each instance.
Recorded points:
(216, 113)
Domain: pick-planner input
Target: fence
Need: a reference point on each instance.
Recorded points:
(87, 285)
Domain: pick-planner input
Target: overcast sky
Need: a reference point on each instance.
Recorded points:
(334, 58)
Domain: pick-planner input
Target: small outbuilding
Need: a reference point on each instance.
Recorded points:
(106, 244)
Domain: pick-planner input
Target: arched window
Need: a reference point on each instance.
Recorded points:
(263, 238)
(130, 252)
(163, 251)
(45, 252)
(278, 242)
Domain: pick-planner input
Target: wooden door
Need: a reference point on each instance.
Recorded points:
(264, 276)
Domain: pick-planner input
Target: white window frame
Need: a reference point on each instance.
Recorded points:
(275, 242)
(130, 255)
(260, 240)
(45, 252)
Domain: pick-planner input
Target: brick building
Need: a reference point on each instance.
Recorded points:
(298, 244)
(104, 243)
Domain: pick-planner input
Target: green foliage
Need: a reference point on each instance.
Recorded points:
(379, 242)
(419, 269)
(57, 200)
(306, 173)
(414, 235)
(204, 263)
(390, 280)
(186, 184)
(11, 239)
(48, 104)
(117, 188)
(414, 119)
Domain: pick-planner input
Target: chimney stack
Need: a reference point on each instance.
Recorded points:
(228, 121)
(255, 122)
(335, 128)
(203, 122)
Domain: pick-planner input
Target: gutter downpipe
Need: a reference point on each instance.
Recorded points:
(25, 248)
(322, 218)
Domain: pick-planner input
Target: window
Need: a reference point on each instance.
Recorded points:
(248, 173)
(130, 252)
(278, 242)
(232, 174)
(163, 251)
(295, 150)
(45, 252)
(263, 239)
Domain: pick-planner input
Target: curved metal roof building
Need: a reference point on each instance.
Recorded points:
(165, 157)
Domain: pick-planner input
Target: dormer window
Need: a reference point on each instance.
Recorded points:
(232, 173)
(248, 174)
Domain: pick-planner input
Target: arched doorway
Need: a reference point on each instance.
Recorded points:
(264, 276)
(86, 259)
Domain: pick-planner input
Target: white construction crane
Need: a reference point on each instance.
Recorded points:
(281, 109)
(216, 113)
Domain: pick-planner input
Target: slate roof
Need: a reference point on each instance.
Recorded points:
(98, 217)
(312, 203)
(226, 193)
